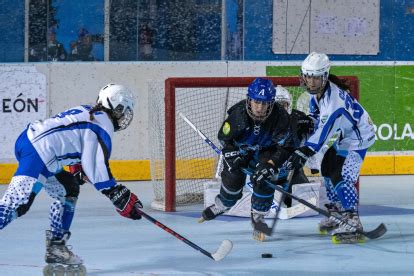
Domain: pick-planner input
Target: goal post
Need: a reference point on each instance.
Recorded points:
(180, 162)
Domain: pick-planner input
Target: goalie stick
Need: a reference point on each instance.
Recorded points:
(373, 234)
(268, 231)
(223, 250)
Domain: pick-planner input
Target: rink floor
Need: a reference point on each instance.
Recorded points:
(112, 245)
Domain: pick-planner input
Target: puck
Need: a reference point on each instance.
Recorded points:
(267, 255)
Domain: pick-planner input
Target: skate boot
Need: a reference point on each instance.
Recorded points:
(344, 233)
(60, 259)
(257, 217)
(213, 211)
(326, 225)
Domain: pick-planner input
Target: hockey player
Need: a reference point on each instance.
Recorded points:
(80, 135)
(252, 136)
(336, 112)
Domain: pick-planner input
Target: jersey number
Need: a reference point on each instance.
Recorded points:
(68, 112)
(349, 103)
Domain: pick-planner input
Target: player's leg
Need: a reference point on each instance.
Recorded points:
(230, 192)
(24, 185)
(331, 168)
(62, 188)
(348, 195)
(262, 200)
(18, 198)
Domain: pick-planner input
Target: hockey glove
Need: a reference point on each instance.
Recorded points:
(124, 201)
(263, 172)
(78, 172)
(234, 159)
(298, 159)
(305, 124)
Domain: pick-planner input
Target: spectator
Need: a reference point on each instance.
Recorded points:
(54, 50)
(146, 39)
(81, 50)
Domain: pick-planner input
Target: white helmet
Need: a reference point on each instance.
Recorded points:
(119, 101)
(316, 65)
(283, 96)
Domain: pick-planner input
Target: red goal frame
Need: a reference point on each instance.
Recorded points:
(173, 83)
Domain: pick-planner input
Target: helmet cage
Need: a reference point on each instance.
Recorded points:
(122, 117)
(255, 116)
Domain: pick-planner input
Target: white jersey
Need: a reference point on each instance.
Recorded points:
(70, 138)
(338, 112)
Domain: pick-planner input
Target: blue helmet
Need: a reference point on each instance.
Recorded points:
(261, 92)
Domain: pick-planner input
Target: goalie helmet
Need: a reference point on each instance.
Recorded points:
(284, 98)
(260, 99)
(315, 66)
(119, 102)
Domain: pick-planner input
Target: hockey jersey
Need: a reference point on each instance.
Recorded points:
(241, 132)
(71, 138)
(338, 112)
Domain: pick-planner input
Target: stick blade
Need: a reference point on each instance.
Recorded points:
(377, 232)
(264, 228)
(223, 250)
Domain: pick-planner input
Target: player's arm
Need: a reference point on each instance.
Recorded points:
(229, 134)
(95, 163)
(331, 122)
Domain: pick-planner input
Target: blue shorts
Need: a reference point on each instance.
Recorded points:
(30, 163)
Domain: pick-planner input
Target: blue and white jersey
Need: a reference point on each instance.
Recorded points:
(70, 138)
(338, 112)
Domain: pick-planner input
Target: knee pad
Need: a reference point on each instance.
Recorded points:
(70, 183)
(232, 187)
(331, 166)
(228, 197)
(22, 209)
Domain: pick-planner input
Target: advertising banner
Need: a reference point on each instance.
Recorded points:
(23, 96)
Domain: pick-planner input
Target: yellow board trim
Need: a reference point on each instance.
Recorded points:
(135, 170)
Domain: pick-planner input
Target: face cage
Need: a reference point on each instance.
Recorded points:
(123, 119)
(289, 104)
(255, 117)
(320, 89)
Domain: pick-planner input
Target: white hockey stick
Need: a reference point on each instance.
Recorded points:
(223, 250)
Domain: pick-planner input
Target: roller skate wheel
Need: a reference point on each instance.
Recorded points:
(259, 236)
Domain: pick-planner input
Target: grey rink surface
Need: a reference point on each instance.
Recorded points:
(113, 245)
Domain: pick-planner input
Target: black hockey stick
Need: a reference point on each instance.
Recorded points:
(374, 234)
(223, 250)
(262, 226)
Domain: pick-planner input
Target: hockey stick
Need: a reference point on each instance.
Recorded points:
(223, 250)
(374, 234)
(262, 227)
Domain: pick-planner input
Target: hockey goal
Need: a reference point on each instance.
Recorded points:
(180, 161)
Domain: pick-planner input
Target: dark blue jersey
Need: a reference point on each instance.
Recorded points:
(265, 138)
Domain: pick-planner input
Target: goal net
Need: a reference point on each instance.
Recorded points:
(181, 162)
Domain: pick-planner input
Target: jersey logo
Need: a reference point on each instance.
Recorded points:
(324, 118)
(226, 128)
(262, 92)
